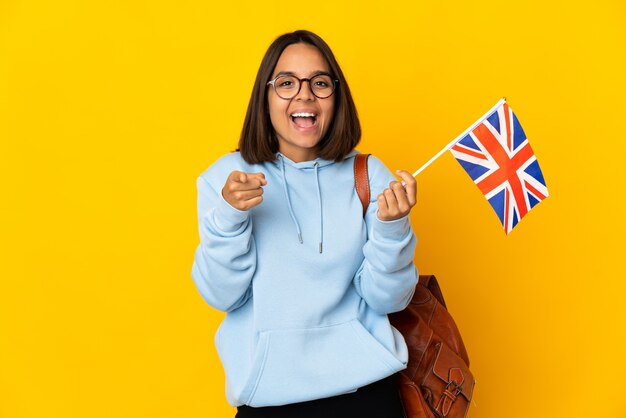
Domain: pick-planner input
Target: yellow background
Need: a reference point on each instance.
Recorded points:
(109, 110)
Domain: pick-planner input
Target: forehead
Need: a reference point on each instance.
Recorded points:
(302, 60)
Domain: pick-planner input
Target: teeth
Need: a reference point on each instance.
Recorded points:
(302, 115)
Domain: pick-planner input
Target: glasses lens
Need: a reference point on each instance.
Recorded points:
(286, 86)
(322, 86)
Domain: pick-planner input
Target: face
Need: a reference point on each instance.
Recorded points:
(301, 122)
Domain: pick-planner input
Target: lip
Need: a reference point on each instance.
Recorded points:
(304, 110)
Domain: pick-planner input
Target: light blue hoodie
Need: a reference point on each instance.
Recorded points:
(306, 281)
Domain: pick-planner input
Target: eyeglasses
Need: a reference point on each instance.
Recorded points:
(288, 86)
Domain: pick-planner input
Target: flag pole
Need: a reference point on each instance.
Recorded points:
(458, 138)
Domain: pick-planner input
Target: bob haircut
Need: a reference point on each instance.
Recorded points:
(258, 142)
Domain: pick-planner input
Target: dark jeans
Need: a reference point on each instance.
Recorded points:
(378, 400)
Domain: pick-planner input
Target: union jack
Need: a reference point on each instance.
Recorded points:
(497, 156)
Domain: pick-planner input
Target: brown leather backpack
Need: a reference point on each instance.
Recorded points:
(437, 381)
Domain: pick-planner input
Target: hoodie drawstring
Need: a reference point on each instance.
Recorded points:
(293, 217)
(319, 199)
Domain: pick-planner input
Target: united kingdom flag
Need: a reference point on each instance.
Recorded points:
(497, 156)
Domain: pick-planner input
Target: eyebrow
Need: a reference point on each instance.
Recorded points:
(318, 72)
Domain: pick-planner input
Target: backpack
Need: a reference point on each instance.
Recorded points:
(437, 382)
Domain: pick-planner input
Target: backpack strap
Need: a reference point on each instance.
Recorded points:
(362, 186)
(361, 180)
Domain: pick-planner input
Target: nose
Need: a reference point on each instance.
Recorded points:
(305, 93)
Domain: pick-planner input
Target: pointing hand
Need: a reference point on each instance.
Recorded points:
(244, 191)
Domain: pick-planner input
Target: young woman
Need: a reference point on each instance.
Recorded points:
(306, 280)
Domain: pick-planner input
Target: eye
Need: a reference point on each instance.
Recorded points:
(285, 82)
(322, 82)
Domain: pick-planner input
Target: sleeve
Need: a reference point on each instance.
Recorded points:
(225, 260)
(387, 277)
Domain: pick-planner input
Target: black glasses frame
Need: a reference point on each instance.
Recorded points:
(300, 81)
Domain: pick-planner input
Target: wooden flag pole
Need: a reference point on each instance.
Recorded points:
(458, 138)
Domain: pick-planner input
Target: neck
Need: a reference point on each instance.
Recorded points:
(299, 155)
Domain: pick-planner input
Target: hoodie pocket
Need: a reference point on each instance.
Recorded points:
(302, 364)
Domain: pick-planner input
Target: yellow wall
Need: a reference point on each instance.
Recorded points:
(110, 109)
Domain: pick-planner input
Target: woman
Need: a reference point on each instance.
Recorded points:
(306, 280)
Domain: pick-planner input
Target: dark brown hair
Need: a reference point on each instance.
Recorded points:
(258, 142)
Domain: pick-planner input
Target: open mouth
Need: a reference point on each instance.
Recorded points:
(304, 119)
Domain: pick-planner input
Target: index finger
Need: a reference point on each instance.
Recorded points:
(249, 179)
(409, 183)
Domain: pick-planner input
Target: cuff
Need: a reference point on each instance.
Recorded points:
(392, 229)
(227, 218)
